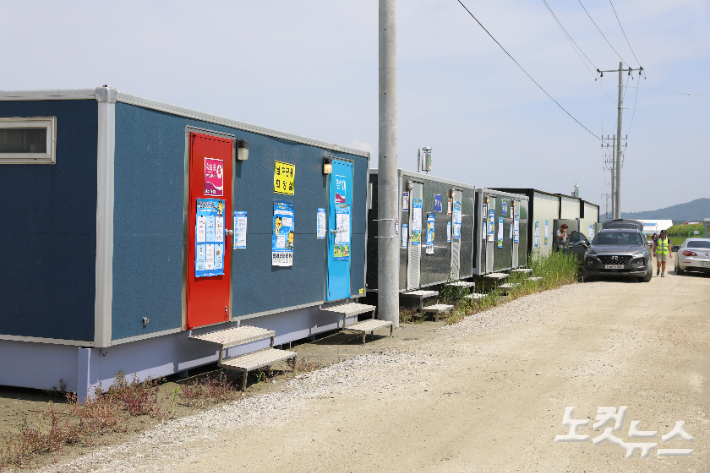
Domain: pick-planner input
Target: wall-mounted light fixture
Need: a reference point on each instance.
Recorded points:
(327, 165)
(488, 199)
(452, 192)
(410, 185)
(242, 150)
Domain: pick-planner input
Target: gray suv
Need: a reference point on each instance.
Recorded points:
(618, 250)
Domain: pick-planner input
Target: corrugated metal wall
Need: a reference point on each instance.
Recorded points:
(569, 208)
(545, 208)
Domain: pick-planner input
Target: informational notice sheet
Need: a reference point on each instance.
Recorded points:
(240, 230)
(491, 225)
(214, 177)
(505, 208)
(320, 224)
(500, 232)
(457, 220)
(484, 233)
(510, 236)
(405, 201)
(448, 232)
(516, 229)
(416, 221)
(537, 235)
(430, 228)
(209, 238)
(341, 246)
(591, 232)
(283, 234)
(437, 203)
(450, 207)
(405, 234)
(547, 231)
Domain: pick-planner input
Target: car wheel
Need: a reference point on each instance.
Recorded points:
(649, 275)
(679, 271)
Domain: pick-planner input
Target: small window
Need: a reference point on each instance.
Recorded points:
(28, 140)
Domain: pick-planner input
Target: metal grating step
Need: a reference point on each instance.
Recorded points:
(421, 293)
(475, 296)
(350, 309)
(232, 337)
(495, 276)
(257, 359)
(438, 308)
(462, 284)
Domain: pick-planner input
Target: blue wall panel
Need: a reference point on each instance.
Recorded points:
(48, 229)
(148, 222)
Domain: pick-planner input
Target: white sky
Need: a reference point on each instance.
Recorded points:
(310, 68)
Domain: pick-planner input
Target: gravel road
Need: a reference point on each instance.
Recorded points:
(487, 394)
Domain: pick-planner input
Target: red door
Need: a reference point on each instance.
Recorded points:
(209, 247)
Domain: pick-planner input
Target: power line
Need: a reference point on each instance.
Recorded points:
(600, 31)
(634, 112)
(671, 92)
(526, 73)
(622, 30)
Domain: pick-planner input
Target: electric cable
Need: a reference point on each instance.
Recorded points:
(622, 30)
(526, 73)
(671, 92)
(600, 31)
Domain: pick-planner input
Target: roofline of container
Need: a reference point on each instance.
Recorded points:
(108, 94)
(405, 172)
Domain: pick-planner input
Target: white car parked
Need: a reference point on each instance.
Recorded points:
(693, 255)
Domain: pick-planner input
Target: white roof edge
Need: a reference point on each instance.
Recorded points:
(108, 94)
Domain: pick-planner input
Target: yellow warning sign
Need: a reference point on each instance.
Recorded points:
(284, 177)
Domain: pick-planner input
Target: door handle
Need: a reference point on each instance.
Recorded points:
(229, 232)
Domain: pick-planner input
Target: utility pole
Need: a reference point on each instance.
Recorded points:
(606, 196)
(387, 194)
(611, 166)
(617, 160)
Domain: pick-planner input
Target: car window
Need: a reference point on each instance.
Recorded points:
(699, 244)
(577, 237)
(618, 238)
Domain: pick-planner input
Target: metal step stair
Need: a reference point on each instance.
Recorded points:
(474, 296)
(437, 309)
(235, 336)
(495, 276)
(521, 270)
(535, 279)
(462, 284)
(364, 327)
(508, 286)
(422, 294)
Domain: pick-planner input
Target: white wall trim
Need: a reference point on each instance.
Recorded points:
(106, 146)
(54, 341)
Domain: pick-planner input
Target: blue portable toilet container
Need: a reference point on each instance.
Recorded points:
(128, 224)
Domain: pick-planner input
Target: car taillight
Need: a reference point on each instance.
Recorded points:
(689, 253)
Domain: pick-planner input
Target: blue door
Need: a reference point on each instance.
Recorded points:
(340, 198)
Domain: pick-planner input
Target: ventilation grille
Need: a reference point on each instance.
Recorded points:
(615, 259)
(415, 251)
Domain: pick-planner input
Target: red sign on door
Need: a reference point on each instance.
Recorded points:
(214, 177)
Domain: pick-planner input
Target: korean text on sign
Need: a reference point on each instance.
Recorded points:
(284, 175)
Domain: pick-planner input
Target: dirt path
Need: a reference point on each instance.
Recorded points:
(484, 395)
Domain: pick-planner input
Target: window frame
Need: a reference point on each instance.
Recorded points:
(48, 123)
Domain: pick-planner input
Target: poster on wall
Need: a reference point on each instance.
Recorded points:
(405, 201)
(437, 203)
(416, 222)
(448, 232)
(484, 233)
(282, 234)
(491, 225)
(284, 178)
(320, 224)
(449, 207)
(505, 208)
(341, 246)
(214, 177)
(516, 229)
(209, 238)
(537, 235)
(430, 228)
(547, 229)
(240, 230)
(500, 232)
(591, 232)
(457, 220)
(405, 234)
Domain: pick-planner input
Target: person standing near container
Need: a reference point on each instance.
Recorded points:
(561, 238)
(662, 251)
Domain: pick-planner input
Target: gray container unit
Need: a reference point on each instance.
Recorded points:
(104, 189)
(496, 247)
(451, 260)
(543, 210)
(589, 217)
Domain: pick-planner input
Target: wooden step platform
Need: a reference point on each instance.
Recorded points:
(508, 286)
(535, 279)
(350, 309)
(521, 270)
(462, 284)
(232, 337)
(437, 309)
(366, 326)
(257, 359)
(495, 276)
(475, 296)
(422, 294)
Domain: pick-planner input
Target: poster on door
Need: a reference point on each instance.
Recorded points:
(209, 238)
(591, 232)
(457, 220)
(341, 246)
(282, 237)
(500, 232)
(516, 229)
(491, 224)
(214, 177)
(341, 190)
(430, 228)
(448, 232)
(416, 222)
(405, 234)
(547, 230)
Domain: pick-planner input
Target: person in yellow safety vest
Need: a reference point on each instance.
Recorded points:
(662, 251)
